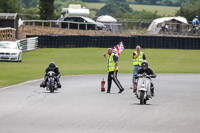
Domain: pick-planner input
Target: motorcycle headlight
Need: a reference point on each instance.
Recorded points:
(14, 54)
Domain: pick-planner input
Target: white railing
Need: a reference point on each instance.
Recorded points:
(69, 24)
(123, 25)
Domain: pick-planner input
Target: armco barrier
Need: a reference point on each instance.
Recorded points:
(29, 43)
(130, 42)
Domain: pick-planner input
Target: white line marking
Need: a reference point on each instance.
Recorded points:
(30, 81)
(26, 82)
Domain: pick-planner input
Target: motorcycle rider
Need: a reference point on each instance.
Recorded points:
(52, 67)
(164, 27)
(148, 71)
(195, 23)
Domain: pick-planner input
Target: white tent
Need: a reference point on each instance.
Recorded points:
(106, 19)
(109, 21)
(155, 26)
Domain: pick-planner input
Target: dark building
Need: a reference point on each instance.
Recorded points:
(9, 20)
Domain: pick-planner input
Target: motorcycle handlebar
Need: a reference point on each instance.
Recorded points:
(153, 76)
(53, 75)
(148, 76)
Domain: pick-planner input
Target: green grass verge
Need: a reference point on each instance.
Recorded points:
(162, 10)
(90, 61)
(95, 5)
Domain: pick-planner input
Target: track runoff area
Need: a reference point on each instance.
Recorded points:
(80, 106)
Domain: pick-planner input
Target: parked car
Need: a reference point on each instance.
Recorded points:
(10, 51)
(73, 23)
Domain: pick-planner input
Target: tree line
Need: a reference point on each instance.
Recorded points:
(51, 9)
(147, 2)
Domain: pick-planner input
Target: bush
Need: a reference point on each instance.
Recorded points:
(189, 9)
(30, 13)
(115, 8)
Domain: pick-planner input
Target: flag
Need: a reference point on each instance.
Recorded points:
(117, 50)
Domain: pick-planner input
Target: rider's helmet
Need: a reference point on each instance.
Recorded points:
(144, 65)
(197, 16)
(52, 66)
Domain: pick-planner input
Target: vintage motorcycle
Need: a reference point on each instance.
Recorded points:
(143, 92)
(51, 83)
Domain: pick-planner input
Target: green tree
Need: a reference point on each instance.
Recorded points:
(142, 15)
(115, 8)
(29, 3)
(151, 2)
(30, 13)
(189, 9)
(91, 1)
(9, 6)
(158, 2)
(46, 9)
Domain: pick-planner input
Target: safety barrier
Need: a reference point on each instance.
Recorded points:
(130, 42)
(7, 34)
(29, 43)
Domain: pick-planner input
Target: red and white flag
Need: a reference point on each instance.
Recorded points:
(117, 50)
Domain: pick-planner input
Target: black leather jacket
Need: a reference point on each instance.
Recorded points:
(148, 71)
(56, 70)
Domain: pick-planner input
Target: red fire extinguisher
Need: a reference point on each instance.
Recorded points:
(102, 85)
(134, 86)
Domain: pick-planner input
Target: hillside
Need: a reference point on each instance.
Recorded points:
(162, 10)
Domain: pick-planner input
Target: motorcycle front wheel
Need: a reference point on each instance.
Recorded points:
(51, 87)
(142, 100)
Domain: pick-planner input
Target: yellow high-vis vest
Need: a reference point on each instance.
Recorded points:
(138, 60)
(111, 63)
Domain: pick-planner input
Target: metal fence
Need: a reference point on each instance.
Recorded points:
(122, 26)
(180, 29)
(134, 24)
(172, 28)
(66, 24)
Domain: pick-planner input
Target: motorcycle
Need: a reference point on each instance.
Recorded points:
(195, 30)
(143, 92)
(51, 83)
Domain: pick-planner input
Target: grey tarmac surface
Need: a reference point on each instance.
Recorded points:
(80, 107)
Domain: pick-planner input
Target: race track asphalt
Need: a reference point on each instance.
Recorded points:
(80, 107)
